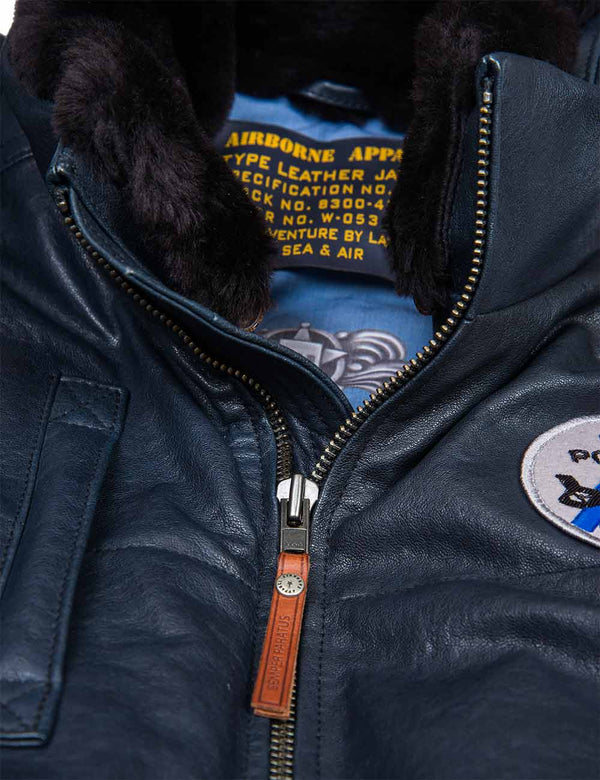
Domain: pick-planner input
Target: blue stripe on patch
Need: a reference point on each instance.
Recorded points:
(588, 519)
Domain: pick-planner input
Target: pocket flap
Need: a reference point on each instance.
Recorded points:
(84, 422)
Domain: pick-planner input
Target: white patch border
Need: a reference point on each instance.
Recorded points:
(530, 488)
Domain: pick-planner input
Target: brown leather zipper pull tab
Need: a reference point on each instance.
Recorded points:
(272, 697)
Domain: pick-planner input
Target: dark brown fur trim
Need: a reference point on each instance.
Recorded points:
(140, 87)
(449, 44)
(120, 98)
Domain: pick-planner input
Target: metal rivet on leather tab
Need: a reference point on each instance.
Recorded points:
(289, 584)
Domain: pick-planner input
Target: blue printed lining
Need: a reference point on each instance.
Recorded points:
(355, 327)
(281, 112)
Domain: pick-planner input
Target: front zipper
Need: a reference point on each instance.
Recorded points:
(281, 752)
(275, 692)
(275, 681)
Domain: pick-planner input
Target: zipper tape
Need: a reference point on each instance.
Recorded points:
(298, 494)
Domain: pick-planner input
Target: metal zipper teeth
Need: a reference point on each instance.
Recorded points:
(274, 416)
(282, 736)
(281, 766)
(458, 311)
(281, 742)
(281, 747)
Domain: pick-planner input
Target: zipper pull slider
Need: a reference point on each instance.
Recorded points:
(297, 497)
(488, 95)
(272, 696)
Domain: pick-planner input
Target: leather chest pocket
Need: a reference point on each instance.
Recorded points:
(47, 533)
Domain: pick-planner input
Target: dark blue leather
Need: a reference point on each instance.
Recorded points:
(588, 58)
(450, 630)
(544, 181)
(79, 422)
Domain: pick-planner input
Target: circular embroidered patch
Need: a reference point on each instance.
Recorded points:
(561, 475)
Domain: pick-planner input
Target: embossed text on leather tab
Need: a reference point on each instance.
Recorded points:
(272, 695)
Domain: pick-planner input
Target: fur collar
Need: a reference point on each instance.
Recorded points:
(140, 88)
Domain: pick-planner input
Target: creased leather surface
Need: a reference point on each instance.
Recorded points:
(544, 180)
(161, 644)
(450, 630)
(84, 422)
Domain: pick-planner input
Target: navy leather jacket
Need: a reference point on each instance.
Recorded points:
(450, 631)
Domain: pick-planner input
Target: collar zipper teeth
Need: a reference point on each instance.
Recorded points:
(410, 369)
(297, 494)
(274, 415)
(283, 732)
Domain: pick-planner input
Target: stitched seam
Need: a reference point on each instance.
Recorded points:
(452, 173)
(22, 692)
(36, 448)
(342, 490)
(95, 236)
(257, 590)
(323, 621)
(18, 718)
(81, 405)
(59, 607)
(533, 483)
(516, 305)
(20, 157)
(68, 381)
